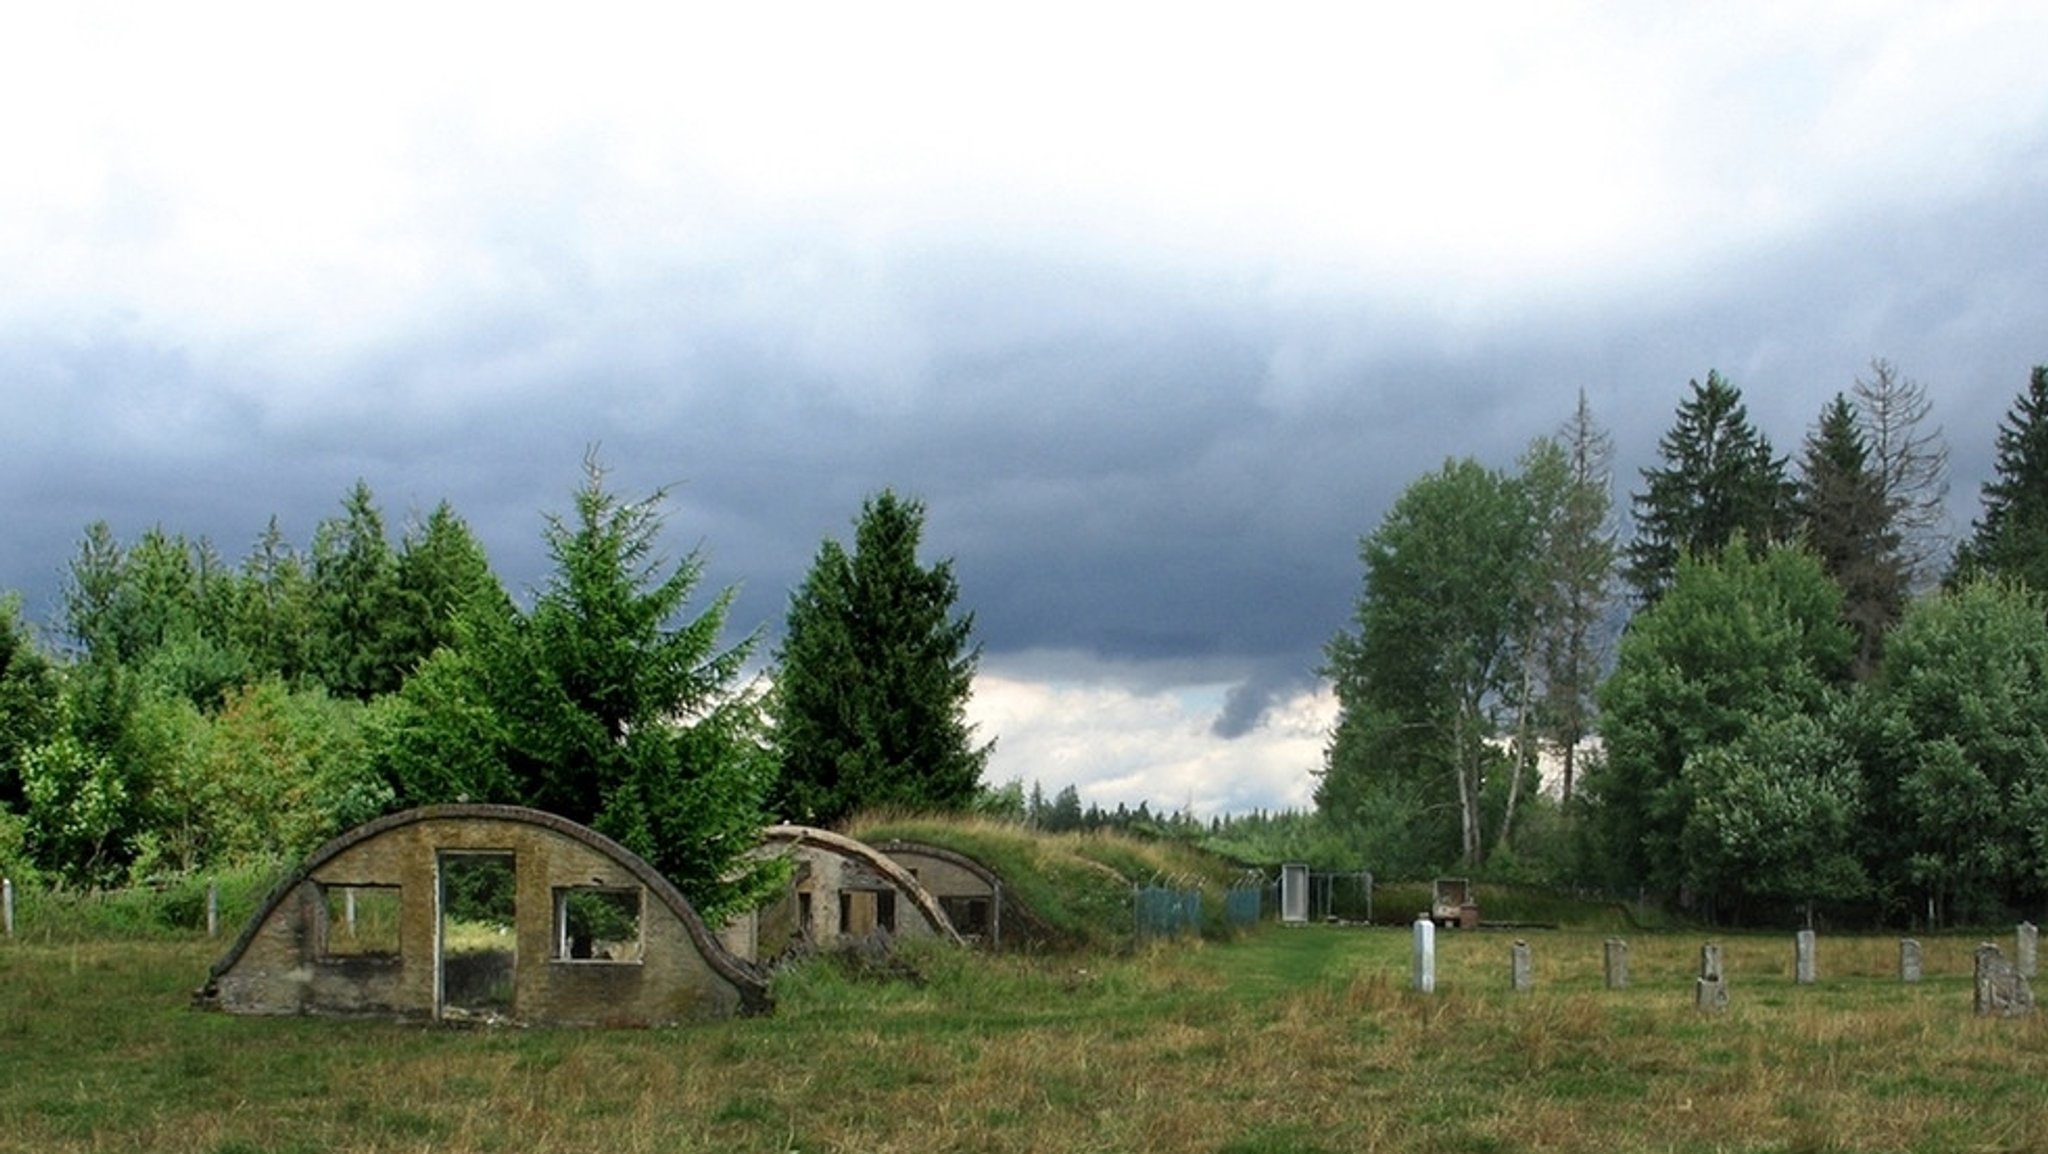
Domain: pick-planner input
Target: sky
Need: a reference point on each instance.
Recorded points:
(1155, 307)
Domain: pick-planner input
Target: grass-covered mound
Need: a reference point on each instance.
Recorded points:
(1077, 884)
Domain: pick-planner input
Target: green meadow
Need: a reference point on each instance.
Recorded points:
(1304, 1039)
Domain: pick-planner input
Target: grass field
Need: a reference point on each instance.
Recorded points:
(1287, 1040)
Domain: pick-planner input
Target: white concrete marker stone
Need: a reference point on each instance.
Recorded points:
(1425, 955)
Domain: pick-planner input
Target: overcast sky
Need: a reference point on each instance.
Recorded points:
(1156, 307)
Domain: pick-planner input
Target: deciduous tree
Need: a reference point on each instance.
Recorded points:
(1957, 752)
(1737, 642)
(1434, 649)
(1910, 461)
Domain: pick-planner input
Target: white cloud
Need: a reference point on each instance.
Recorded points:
(1120, 737)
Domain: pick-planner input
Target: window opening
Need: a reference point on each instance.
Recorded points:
(969, 915)
(597, 924)
(359, 921)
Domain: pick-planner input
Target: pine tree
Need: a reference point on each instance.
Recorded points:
(2010, 538)
(875, 674)
(1847, 524)
(1719, 480)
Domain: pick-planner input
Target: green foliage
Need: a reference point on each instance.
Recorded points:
(273, 620)
(1774, 816)
(29, 689)
(604, 703)
(82, 807)
(2010, 537)
(272, 775)
(1719, 481)
(1737, 643)
(441, 570)
(1436, 643)
(356, 607)
(1848, 523)
(874, 674)
(1956, 749)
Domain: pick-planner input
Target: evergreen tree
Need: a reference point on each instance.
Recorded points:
(355, 601)
(875, 674)
(441, 568)
(1847, 524)
(2010, 538)
(605, 704)
(1719, 480)
(274, 608)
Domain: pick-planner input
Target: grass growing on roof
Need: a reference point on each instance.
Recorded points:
(1078, 883)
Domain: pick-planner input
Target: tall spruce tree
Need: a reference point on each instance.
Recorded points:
(875, 675)
(355, 601)
(1719, 480)
(2010, 538)
(607, 703)
(1848, 524)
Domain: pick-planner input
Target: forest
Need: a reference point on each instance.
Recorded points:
(1773, 683)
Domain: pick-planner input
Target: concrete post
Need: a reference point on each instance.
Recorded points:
(1804, 970)
(2027, 957)
(1710, 992)
(7, 903)
(1521, 974)
(2001, 992)
(213, 909)
(1425, 955)
(1616, 964)
(1909, 960)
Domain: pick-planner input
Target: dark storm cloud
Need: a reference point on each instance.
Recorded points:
(1121, 460)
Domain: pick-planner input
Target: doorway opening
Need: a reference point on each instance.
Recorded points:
(478, 935)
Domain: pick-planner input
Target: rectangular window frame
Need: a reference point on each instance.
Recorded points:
(562, 945)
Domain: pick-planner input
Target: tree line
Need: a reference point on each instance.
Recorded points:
(195, 714)
(1801, 694)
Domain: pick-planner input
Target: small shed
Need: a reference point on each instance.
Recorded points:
(842, 892)
(481, 913)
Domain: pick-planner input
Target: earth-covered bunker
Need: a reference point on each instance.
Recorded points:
(842, 892)
(972, 894)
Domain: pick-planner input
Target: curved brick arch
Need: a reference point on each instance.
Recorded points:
(422, 824)
(1022, 923)
(872, 858)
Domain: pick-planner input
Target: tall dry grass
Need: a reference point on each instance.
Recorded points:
(1295, 1040)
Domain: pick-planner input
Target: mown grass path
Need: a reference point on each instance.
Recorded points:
(1294, 1040)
